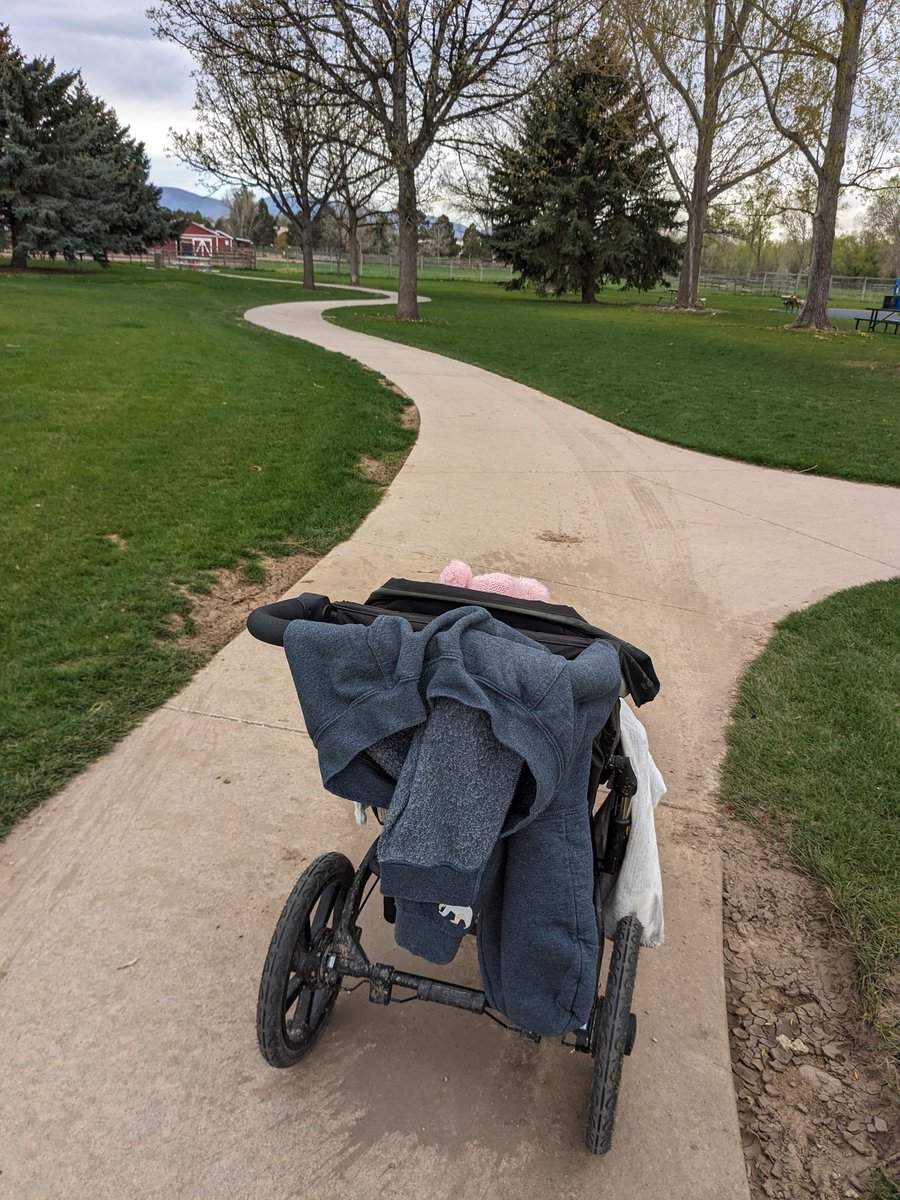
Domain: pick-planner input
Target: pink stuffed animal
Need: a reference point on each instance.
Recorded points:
(459, 574)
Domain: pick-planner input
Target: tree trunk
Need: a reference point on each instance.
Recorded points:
(814, 314)
(588, 294)
(408, 244)
(309, 267)
(405, 162)
(353, 244)
(689, 279)
(19, 252)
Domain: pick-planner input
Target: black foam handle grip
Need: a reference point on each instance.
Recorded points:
(268, 623)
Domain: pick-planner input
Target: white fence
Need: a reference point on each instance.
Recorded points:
(385, 266)
(777, 283)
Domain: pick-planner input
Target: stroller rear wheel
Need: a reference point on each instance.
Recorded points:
(616, 1029)
(294, 1003)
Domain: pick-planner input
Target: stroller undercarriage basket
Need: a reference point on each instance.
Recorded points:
(317, 943)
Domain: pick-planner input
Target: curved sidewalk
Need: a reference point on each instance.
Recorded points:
(136, 906)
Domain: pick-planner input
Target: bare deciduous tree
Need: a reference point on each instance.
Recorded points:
(704, 105)
(363, 171)
(258, 125)
(882, 225)
(242, 212)
(419, 68)
(828, 91)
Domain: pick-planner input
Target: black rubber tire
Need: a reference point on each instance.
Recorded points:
(615, 1034)
(299, 943)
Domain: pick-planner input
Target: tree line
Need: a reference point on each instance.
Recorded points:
(595, 141)
(768, 227)
(330, 101)
(376, 232)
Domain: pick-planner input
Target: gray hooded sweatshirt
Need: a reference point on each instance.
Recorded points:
(489, 810)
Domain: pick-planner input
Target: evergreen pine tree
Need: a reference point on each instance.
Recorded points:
(71, 180)
(111, 206)
(581, 199)
(263, 226)
(442, 239)
(32, 151)
(474, 243)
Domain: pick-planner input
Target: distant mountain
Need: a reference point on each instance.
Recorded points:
(209, 206)
(458, 229)
(184, 201)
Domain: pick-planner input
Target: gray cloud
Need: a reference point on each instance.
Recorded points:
(145, 80)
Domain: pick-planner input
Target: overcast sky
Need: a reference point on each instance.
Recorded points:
(145, 80)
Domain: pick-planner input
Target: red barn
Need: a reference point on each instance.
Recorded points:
(197, 241)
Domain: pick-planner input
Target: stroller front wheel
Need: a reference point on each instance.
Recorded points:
(294, 1004)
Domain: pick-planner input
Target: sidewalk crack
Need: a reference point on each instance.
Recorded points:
(768, 521)
(196, 712)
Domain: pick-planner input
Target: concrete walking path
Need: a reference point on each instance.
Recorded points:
(136, 907)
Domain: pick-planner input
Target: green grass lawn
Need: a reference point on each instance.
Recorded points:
(814, 751)
(736, 384)
(148, 437)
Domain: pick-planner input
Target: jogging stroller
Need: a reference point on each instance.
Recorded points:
(316, 945)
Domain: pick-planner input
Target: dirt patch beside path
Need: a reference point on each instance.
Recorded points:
(817, 1099)
(221, 613)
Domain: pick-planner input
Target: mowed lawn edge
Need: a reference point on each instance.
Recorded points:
(151, 438)
(813, 756)
(735, 383)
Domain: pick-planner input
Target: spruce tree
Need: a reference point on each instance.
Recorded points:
(581, 199)
(264, 225)
(32, 150)
(72, 181)
(474, 243)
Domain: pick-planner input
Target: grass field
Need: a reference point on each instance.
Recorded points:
(148, 437)
(814, 748)
(736, 384)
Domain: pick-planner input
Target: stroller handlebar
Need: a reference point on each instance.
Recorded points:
(268, 623)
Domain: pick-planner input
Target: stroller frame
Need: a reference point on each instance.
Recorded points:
(317, 943)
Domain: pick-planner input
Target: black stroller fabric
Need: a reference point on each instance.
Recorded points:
(557, 626)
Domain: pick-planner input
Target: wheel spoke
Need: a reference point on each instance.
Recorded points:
(324, 910)
(299, 1022)
(294, 988)
(294, 1000)
(301, 946)
(320, 1002)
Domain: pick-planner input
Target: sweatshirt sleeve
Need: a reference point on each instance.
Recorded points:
(449, 806)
